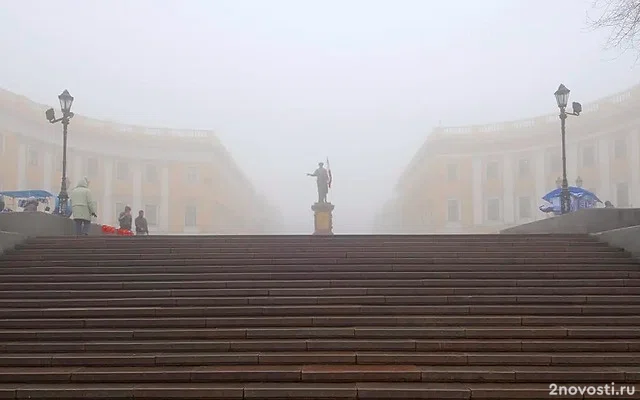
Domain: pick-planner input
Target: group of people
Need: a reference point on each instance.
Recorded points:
(83, 207)
(125, 220)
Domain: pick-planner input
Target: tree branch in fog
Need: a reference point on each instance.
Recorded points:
(622, 19)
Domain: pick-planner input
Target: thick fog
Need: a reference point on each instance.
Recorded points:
(286, 83)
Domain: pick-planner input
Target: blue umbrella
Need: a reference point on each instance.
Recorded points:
(574, 191)
(580, 198)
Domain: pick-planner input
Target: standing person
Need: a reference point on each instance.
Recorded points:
(125, 219)
(83, 207)
(31, 205)
(142, 228)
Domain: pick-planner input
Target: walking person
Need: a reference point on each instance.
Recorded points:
(83, 207)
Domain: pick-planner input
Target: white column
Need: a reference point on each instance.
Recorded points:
(22, 167)
(137, 187)
(572, 163)
(478, 202)
(163, 217)
(107, 197)
(508, 195)
(540, 176)
(48, 171)
(78, 171)
(634, 141)
(604, 187)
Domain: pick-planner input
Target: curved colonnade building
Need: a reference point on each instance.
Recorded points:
(485, 178)
(185, 180)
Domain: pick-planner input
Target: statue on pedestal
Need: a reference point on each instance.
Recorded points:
(322, 209)
(322, 180)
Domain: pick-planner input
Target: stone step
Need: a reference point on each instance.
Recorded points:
(327, 340)
(464, 336)
(309, 284)
(172, 248)
(442, 261)
(303, 391)
(321, 310)
(322, 356)
(134, 276)
(399, 291)
(44, 268)
(319, 373)
(296, 250)
(301, 239)
(505, 321)
(315, 300)
(319, 255)
(317, 310)
(543, 269)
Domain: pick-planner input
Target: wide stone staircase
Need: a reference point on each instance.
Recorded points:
(303, 317)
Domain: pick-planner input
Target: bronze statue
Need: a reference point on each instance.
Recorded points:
(322, 180)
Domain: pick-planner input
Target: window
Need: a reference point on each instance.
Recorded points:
(151, 214)
(33, 157)
(122, 170)
(555, 161)
(493, 170)
(452, 172)
(453, 211)
(619, 149)
(192, 175)
(493, 209)
(588, 156)
(426, 214)
(119, 208)
(190, 216)
(151, 173)
(524, 207)
(92, 167)
(622, 195)
(524, 169)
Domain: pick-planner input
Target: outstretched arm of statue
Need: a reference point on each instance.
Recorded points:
(314, 174)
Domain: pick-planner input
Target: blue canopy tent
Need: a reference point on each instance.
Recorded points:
(25, 194)
(21, 197)
(580, 199)
(42, 196)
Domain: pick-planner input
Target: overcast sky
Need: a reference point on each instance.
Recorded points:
(288, 82)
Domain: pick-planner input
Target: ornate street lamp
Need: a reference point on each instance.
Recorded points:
(66, 101)
(579, 182)
(562, 98)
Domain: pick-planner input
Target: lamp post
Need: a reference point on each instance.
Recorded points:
(562, 98)
(66, 100)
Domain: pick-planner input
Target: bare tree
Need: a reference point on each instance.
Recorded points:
(622, 19)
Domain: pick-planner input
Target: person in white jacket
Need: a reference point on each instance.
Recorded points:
(83, 207)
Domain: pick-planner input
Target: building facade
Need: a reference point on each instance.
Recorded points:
(481, 179)
(184, 180)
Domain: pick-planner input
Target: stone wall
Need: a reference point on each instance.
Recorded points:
(16, 227)
(626, 238)
(582, 221)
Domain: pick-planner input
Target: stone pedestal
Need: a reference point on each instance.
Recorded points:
(323, 218)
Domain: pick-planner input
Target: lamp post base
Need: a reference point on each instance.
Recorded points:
(323, 218)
